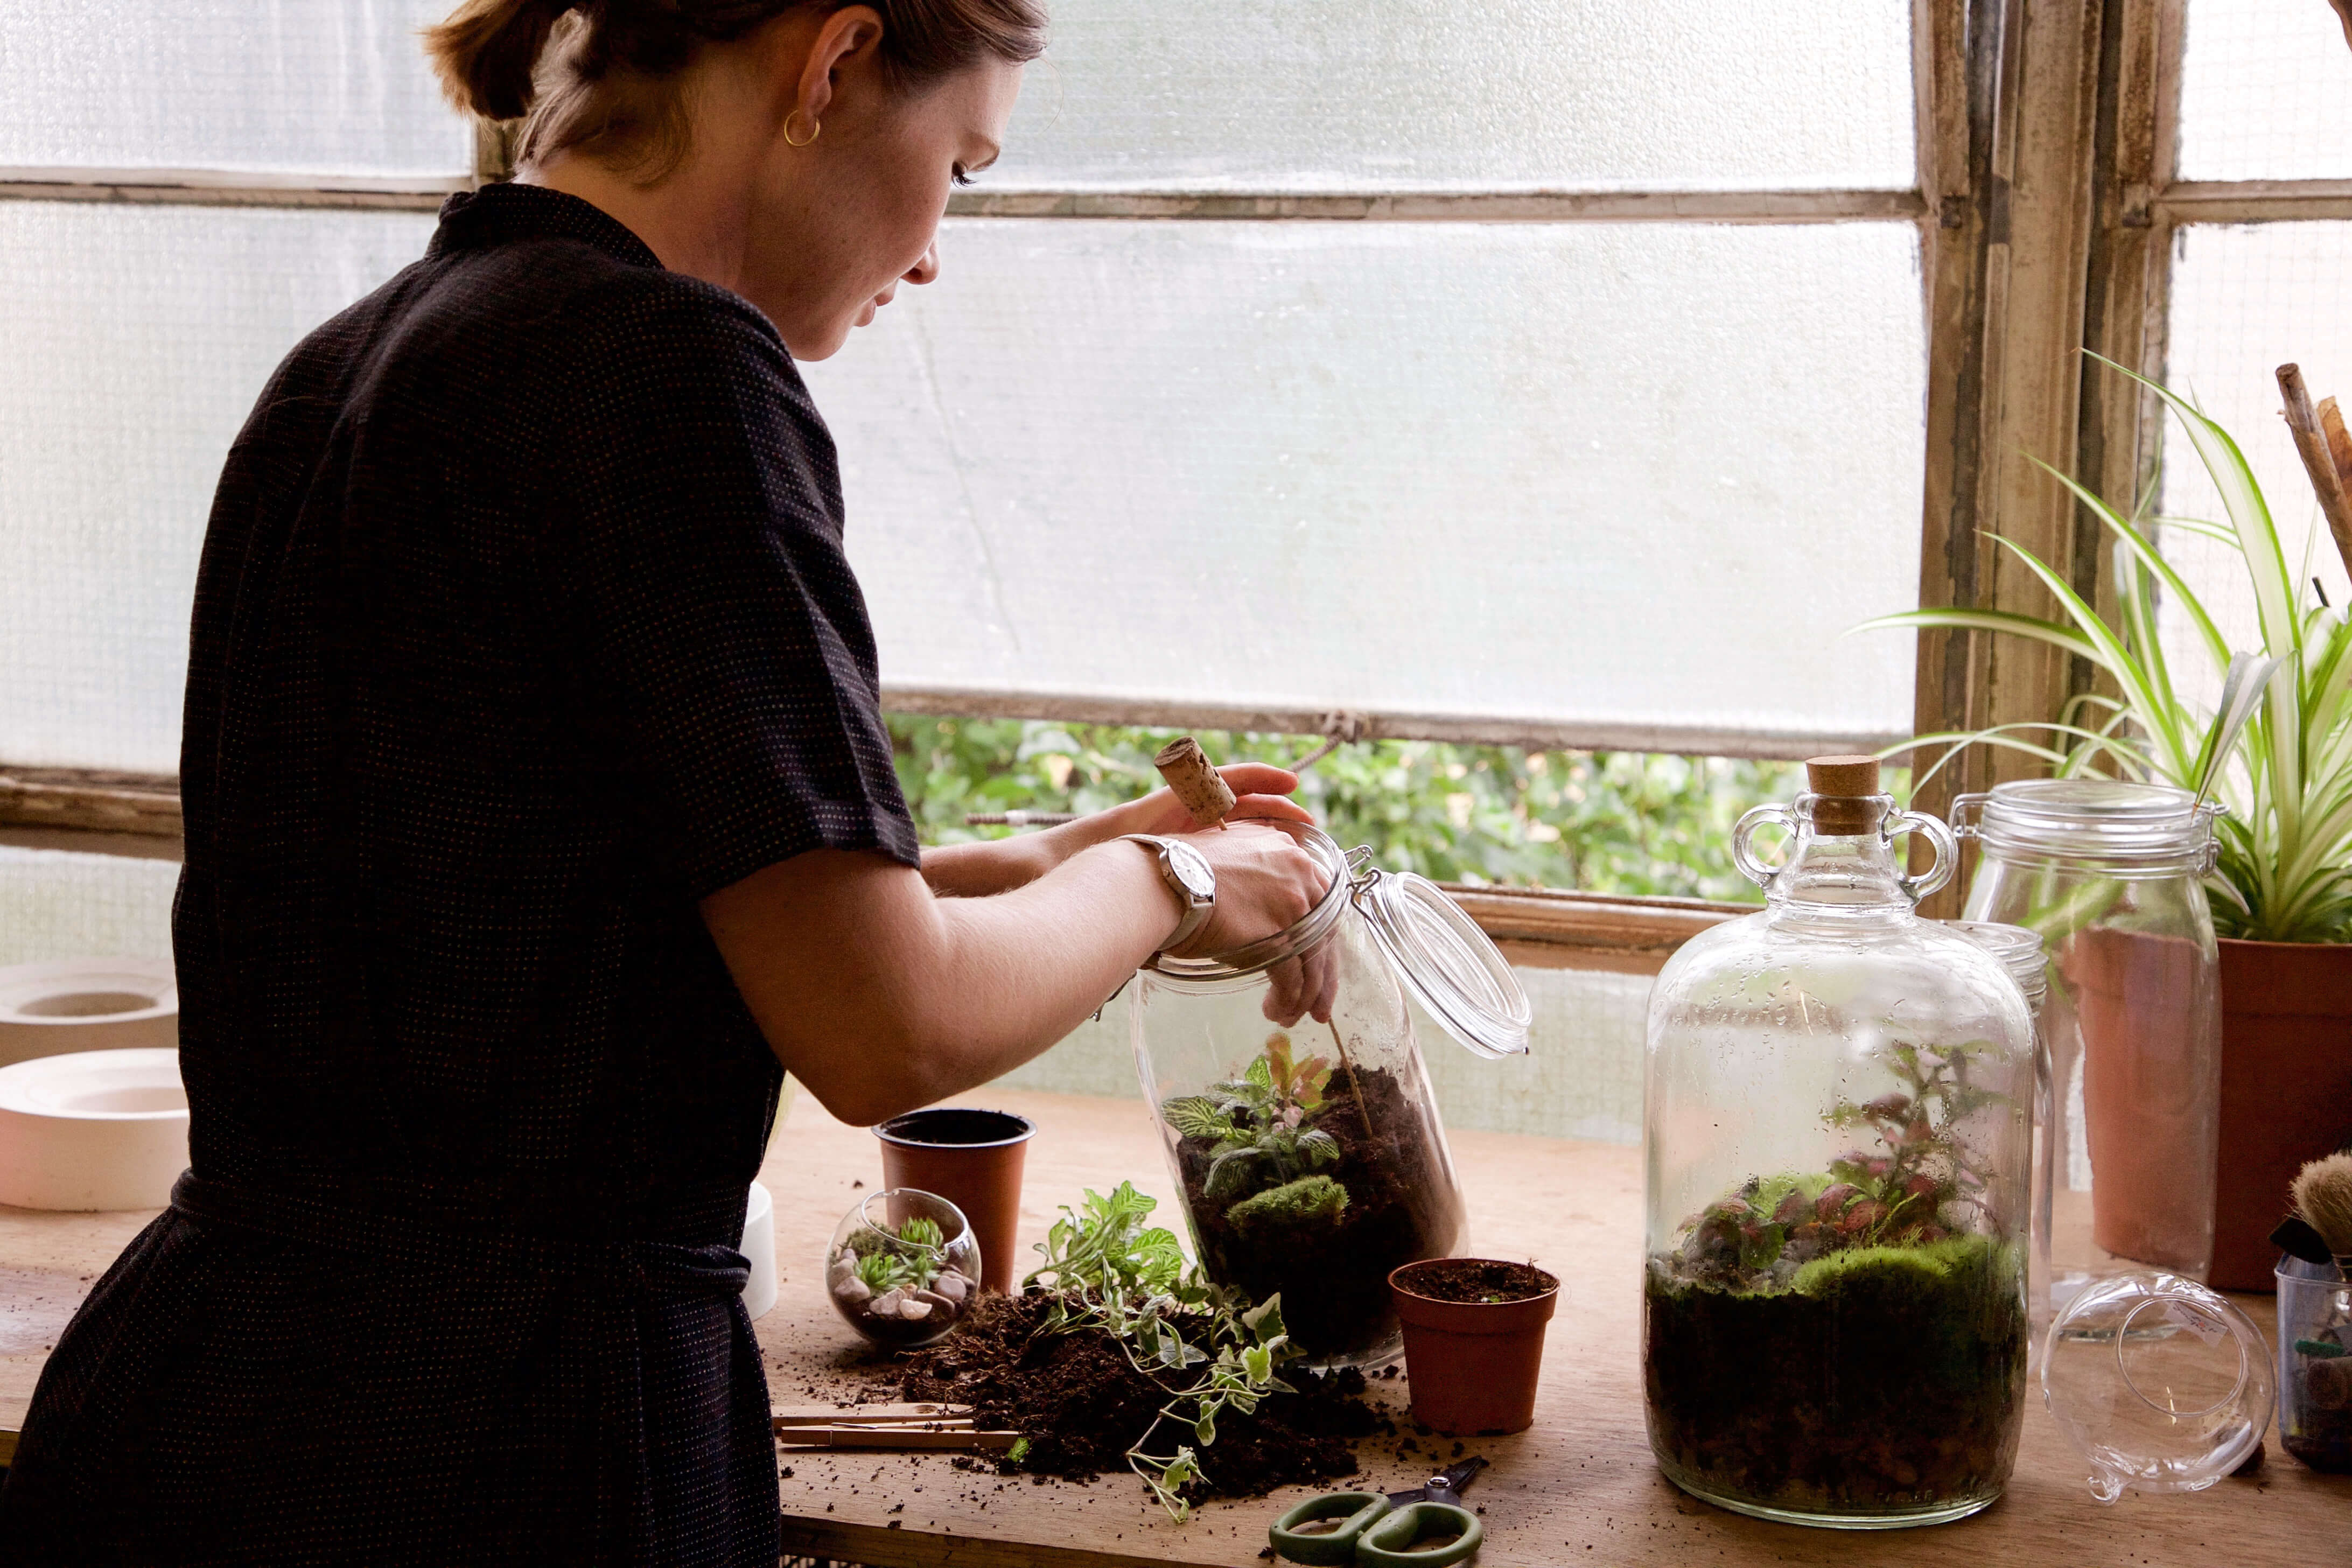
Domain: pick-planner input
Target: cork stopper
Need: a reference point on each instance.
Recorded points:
(1195, 779)
(1842, 789)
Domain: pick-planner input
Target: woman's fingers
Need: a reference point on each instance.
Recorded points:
(1270, 807)
(1258, 778)
(1286, 993)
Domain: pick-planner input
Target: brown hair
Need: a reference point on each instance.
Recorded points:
(607, 89)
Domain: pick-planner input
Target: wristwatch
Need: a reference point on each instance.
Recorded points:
(1187, 872)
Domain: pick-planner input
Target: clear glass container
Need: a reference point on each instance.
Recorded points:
(1306, 1147)
(903, 1267)
(2109, 875)
(1836, 1098)
(2315, 1365)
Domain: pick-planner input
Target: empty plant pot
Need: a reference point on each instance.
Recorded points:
(63, 1004)
(1473, 1338)
(92, 1130)
(974, 1160)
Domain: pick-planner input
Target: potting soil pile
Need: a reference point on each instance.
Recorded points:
(1081, 1404)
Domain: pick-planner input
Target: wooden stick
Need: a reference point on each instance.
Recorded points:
(940, 1415)
(2318, 461)
(895, 1437)
(2331, 424)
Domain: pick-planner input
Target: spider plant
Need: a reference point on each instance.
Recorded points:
(2276, 751)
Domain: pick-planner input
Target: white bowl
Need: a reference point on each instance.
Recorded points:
(759, 1245)
(86, 1004)
(92, 1130)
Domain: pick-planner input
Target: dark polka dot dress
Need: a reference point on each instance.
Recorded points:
(523, 623)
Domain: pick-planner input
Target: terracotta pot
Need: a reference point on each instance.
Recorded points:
(2148, 1076)
(973, 1159)
(2286, 1091)
(1472, 1365)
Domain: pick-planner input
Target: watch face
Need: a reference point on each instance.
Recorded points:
(1191, 870)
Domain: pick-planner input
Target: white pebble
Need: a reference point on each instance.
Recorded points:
(887, 1305)
(914, 1311)
(853, 1290)
(952, 1285)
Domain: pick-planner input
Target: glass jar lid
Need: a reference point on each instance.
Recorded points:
(1451, 967)
(2109, 824)
(2161, 1385)
(2019, 952)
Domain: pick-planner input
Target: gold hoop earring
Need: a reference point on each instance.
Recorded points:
(813, 128)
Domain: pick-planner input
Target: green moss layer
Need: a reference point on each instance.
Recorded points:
(1881, 1379)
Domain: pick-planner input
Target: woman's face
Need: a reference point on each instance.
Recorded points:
(839, 222)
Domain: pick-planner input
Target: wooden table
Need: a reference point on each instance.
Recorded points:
(1578, 1488)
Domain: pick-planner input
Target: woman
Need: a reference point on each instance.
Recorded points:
(540, 815)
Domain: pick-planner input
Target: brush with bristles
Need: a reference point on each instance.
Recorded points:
(2323, 1196)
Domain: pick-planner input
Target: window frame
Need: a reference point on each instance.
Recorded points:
(2046, 204)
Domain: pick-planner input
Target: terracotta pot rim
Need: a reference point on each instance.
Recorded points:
(908, 1140)
(1409, 1293)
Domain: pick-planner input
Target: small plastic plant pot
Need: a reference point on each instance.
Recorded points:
(974, 1160)
(1474, 1338)
(2315, 1365)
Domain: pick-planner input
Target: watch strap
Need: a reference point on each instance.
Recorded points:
(1197, 907)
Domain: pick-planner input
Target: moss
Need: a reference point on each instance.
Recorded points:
(1309, 1197)
(1936, 1266)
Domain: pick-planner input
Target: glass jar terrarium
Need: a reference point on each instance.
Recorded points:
(1294, 1106)
(1836, 1098)
(2110, 875)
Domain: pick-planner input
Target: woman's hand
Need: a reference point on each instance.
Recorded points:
(1000, 865)
(1267, 882)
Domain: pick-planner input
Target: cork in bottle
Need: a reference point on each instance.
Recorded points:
(1845, 791)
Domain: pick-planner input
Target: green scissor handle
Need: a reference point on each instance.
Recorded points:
(1331, 1547)
(1388, 1543)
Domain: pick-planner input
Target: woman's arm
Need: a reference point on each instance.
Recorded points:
(881, 996)
(1000, 865)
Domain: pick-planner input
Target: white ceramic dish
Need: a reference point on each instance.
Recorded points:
(759, 1245)
(92, 1130)
(86, 1004)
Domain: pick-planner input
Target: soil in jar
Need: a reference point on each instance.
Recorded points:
(1479, 1280)
(1314, 1180)
(1879, 1379)
(2316, 1416)
(1082, 1405)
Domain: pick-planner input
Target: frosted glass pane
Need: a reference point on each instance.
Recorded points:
(132, 343)
(54, 904)
(1217, 95)
(1628, 475)
(2265, 93)
(1582, 1077)
(246, 85)
(2244, 301)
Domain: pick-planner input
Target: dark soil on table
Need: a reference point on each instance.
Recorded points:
(1333, 1274)
(1477, 1279)
(1893, 1381)
(1082, 1406)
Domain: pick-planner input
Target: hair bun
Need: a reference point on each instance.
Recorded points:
(485, 52)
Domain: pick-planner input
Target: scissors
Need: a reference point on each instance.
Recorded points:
(1379, 1532)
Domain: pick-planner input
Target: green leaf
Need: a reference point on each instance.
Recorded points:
(1257, 1363)
(1258, 1074)
(1196, 1116)
(1205, 1428)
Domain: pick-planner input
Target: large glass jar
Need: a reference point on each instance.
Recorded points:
(1294, 1106)
(2109, 875)
(1836, 1098)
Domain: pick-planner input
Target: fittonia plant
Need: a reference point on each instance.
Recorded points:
(1266, 1147)
(1915, 1188)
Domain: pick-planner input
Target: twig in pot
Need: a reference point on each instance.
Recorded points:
(2311, 440)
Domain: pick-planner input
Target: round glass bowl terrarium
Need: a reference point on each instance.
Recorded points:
(1836, 1098)
(1294, 1106)
(903, 1267)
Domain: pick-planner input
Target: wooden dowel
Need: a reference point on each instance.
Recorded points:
(870, 1415)
(891, 1437)
(2331, 424)
(2311, 441)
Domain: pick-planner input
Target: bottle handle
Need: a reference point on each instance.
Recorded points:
(1948, 851)
(1743, 853)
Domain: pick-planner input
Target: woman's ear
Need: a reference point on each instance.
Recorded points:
(851, 36)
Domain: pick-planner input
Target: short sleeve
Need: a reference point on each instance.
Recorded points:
(724, 640)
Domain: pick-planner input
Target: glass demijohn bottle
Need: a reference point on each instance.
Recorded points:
(1836, 1102)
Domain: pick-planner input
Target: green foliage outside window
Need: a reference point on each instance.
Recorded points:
(1613, 822)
